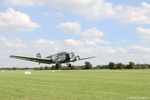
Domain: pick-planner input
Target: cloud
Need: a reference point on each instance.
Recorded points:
(95, 9)
(69, 27)
(137, 48)
(2, 38)
(93, 32)
(14, 20)
(14, 43)
(45, 44)
(9, 46)
(75, 28)
(92, 9)
(94, 41)
(74, 43)
(92, 35)
(21, 3)
(144, 33)
(57, 14)
(130, 14)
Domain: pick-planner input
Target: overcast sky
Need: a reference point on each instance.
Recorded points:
(112, 30)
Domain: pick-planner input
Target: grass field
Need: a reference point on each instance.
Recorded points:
(75, 85)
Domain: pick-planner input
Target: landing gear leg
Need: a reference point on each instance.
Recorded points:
(57, 66)
(69, 65)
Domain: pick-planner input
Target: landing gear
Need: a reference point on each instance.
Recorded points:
(57, 66)
(69, 65)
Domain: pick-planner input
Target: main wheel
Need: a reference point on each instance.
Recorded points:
(69, 65)
(57, 66)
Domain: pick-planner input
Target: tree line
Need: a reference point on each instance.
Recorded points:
(131, 65)
(87, 65)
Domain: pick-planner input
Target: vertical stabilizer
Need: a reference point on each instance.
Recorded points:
(38, 55)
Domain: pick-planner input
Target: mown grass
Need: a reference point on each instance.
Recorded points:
(75, 85)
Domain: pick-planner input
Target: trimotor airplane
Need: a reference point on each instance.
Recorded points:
(61, 57)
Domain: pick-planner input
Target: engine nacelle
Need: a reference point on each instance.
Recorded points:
(76, 58)
(71, 55)
(55, 59)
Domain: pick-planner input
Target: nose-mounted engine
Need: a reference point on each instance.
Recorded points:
(71, 55)
(76, 58)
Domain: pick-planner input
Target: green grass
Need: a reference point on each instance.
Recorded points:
(75, 85)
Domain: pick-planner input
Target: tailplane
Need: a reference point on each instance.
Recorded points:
(38, 55)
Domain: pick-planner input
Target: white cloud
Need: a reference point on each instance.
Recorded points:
(74, 43)
(122, 50)
(97, 40)
(131, 14)
(14, 20)
(69, 27)
(137, 48)
(144, 33)
(22, 3)
(94, 41)
(2, 38)
(95, 9)
(92, 9)
(107, 50)
(92, 35)
(15, 43)
(93, 32)
(43, 43)
(75, 28)
(90, 43)
(135, 53)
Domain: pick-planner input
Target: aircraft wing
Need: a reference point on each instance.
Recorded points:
(40, 60)
(83, 58)
(87, 58)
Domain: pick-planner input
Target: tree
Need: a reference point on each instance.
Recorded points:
(88, 65)
(65, 68)
(74, 67)
(56, 67)
(47, 68)
(36, 68)
(112, 65)
(131, 65)
(145, 66)
(14, 68)
(41, 68)
(120, 66)
(96, 67)
(53, 67)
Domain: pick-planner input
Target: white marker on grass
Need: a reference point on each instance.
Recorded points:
(27, 72)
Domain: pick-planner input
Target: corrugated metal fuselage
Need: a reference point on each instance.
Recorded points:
(63, 57)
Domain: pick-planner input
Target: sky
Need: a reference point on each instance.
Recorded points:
(113, 30)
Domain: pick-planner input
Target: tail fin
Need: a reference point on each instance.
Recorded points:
(38, 55)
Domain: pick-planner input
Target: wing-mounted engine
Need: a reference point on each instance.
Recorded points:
(71, 55)
(55, 59)
(76, 58)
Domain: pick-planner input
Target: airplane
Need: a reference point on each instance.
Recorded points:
(58, 58)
